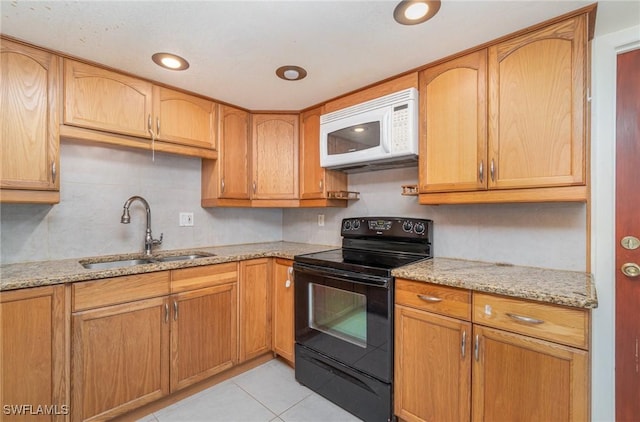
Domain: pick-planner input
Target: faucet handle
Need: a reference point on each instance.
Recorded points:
(158, 241)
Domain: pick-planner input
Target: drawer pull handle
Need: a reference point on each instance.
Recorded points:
(528, 320)
(429, 298)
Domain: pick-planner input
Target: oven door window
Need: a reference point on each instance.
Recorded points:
(338, 313)
(354, 138)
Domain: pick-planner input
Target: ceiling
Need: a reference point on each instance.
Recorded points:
(234, 47)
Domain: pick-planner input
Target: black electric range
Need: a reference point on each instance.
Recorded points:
(344, 312)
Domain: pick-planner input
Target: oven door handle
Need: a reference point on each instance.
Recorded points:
(336, 274)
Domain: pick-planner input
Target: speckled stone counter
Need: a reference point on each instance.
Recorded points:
(560, 287)
(44, 273)
(568, 288)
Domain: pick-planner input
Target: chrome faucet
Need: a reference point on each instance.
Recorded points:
(149, 241)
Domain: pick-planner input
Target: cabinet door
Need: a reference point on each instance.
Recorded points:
(275, 156)
(100, 99)
(537, 108)
(184, 119)
(119, 358)
(203, 334)
(29, 123)
(432, 367)
(521, 378)
(283, 309)
(315, 181)
(32, 357)
(453, 103)
(233, 154)
(255, 308)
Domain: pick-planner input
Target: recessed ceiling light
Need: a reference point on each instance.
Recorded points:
(413, 12)
(291, 73)
(170, 61)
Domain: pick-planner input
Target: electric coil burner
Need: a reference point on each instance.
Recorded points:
(344, 312)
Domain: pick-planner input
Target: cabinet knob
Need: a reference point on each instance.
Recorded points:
(287, 284)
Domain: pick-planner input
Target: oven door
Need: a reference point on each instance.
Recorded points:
(346, 316)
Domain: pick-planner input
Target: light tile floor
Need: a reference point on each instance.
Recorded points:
(267, 393)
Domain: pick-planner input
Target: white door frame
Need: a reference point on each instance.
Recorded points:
(603, 171)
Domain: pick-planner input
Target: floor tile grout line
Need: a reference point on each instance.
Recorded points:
(275, 415)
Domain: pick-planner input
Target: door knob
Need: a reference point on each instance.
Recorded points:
(631, 269)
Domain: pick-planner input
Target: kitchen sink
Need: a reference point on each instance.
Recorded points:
(107, 265)
(119, 263)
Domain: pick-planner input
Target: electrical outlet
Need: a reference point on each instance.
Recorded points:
(320, 220)
(186, 219)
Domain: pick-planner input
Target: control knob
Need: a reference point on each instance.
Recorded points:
(356, 224)
(347, 225)
(407, 226)
(419, 228)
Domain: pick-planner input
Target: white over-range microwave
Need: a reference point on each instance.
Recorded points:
(377, 134)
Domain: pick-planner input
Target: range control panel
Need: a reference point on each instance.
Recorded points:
(387, 227)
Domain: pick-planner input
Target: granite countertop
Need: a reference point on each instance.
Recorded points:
(45, 273)
(569, 288)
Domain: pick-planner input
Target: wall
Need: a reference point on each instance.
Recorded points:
(603, 134)
(541, 235)
(95, 183)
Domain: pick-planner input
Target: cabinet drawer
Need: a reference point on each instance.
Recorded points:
(556, 323)
(433, 298)
(205, 276)
(111, 291)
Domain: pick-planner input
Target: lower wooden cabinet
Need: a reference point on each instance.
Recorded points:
(203, 334)
(433, 366)
(489, 367)
(32, 354)
(120, 358)
(139, 338)
(283, 309)
(516, 377)
(255, 308)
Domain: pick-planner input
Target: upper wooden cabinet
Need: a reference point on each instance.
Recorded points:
(315, 181)
(184, 119)
(537, 104)
(128, 111)
(29, 141)
(518, 134)
(225, 181)
(275, 156)
(100, 99)
(453, 144)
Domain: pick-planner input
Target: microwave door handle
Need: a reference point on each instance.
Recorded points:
(386, 132)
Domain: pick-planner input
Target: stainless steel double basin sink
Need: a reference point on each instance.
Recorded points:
(110, 264)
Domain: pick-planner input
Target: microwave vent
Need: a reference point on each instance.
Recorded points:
(387, 100)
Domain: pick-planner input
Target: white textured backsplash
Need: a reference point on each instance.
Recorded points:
(540, 235)
(95, 183)
(97, 180)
